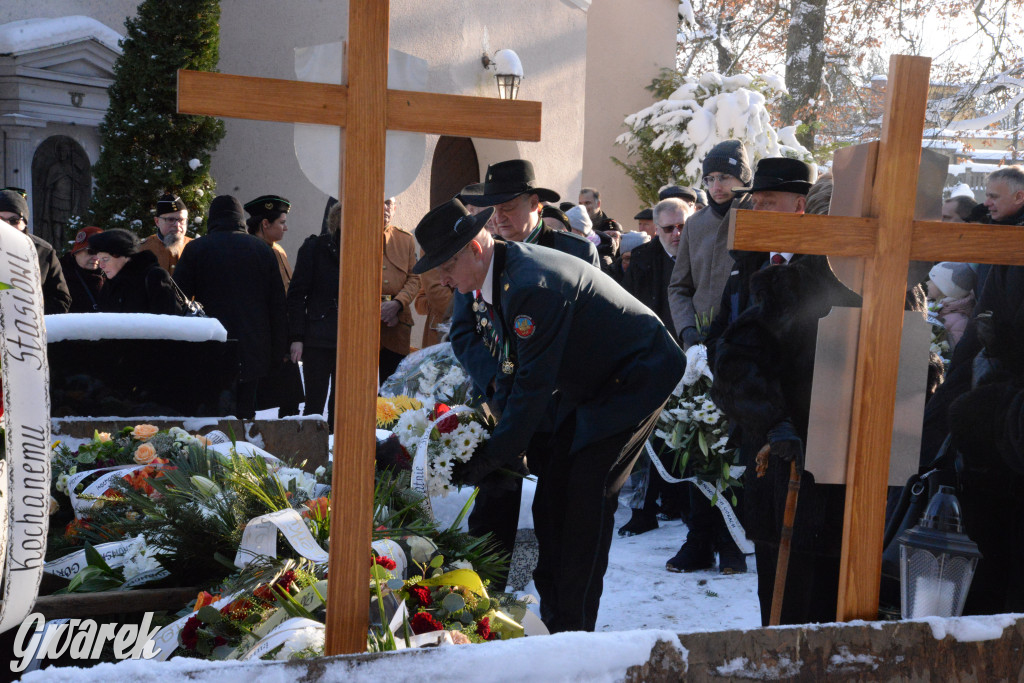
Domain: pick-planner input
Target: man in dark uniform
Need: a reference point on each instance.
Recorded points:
(14, 210)
(510, 187)
(235, 277)
(560, 326)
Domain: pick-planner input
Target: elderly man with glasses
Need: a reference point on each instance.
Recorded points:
(14, 211)
(170, 239)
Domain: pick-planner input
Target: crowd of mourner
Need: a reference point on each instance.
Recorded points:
(576, 329)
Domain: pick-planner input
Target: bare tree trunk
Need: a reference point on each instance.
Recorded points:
(805, 64)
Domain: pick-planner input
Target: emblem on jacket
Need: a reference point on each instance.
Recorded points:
(524, 327)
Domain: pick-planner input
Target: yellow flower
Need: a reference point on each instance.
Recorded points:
(404, 403)
(144, 432)
(386, 412)
(102, 436)
(144, 454)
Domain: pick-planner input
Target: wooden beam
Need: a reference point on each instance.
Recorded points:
(260, 99)
(879, 341)
(359, 285)
(804, 234)
(84, 605)
(424, 112)
(968, 243)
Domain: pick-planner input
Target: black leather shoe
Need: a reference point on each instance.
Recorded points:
(640, 523)
(692, 557)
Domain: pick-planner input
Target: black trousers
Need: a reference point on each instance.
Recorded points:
(812, 585)
(389, 361)
(318, 371)
(574, 516)
(245, 399)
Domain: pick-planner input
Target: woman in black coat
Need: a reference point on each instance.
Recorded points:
(135, 281)
(313, 315)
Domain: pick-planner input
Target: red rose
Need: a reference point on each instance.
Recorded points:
(422, 595)
(440, 409)
(422, 622)
(384, 561)
(483, 629)
(189, 637)
(448, 424)
(286, 580)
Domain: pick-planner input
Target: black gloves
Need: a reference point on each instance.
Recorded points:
(785, 443)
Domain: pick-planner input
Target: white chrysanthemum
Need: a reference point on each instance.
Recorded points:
(179, 434)
(410, 427)
(478, 431)
(62, 483)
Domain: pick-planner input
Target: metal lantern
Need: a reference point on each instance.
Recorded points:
(937, 561)
(509, 72)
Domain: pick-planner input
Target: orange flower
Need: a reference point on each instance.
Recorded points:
(75, 526)
(204, 599)
(137, 480)
(318, 509)
(145, 454)
(144, 432)
(203, 440)
(103, 436)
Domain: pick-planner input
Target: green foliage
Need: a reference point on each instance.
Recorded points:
(146, 146)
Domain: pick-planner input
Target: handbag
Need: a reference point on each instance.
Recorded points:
(190, 307)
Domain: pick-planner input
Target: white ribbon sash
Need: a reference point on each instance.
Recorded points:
(84, 502)
(25, 474)
(260, 537)
(280, 635)
(66, 567)
(739, 536)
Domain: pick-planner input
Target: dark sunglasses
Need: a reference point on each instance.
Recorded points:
(672, 228)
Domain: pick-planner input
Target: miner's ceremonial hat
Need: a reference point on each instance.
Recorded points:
(169, 203)
(268, 204)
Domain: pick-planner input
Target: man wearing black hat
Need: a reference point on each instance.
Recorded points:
(762, 360)
(560, 325)
(236, 278)
(170, 239)
(509, 187)
(645, 223)
(14, 210)
(702, 261)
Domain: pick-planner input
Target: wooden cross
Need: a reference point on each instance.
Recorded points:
(888, 239)
(366, 109)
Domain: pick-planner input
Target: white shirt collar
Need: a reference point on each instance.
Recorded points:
(670, 254)
(487, 288)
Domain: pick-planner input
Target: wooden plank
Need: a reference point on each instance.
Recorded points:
(968, 243)
(482, 117)
(802, 234)
(879, 342)
(85, 605)
(359, 286)
(260, 99)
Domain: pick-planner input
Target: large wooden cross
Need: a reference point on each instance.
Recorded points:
(888, 239)
(366, 109)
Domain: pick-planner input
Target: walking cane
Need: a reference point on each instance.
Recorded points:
(785, 541)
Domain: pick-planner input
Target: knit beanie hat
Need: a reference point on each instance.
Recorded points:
(12, 200)
(116, 242)
(956, 280)
(225, 212)
(579, 220)
(631, 240)
(729, 156)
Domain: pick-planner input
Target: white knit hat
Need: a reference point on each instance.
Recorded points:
(579, 220)
(631, 240)
(956, 280)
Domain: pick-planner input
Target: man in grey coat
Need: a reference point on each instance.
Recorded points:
(703, 262)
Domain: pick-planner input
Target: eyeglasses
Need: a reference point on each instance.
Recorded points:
(713, 178)
(671, 228)
(173, 221)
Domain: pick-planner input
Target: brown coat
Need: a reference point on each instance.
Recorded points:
(283, 265)
(167, 258)
(399, 283)
(434, 301)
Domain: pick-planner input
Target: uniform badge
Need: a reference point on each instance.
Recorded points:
(508, 367)
(524, 327)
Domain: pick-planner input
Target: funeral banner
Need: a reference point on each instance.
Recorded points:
(25, 468)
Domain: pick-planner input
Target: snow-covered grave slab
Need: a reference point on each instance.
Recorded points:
(132, 364)
(960, 649)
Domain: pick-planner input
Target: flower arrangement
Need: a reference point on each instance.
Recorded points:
(453, 436)
(695, 430)
(430, 375)
(390, 409)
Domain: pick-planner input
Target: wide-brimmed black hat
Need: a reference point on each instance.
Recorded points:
(444, 231)
(471, 195)
(507, 180)
(645, 215)
(268, 204)
(780, 174)
(677, 192)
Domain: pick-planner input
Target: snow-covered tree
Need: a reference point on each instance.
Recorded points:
(147, 148)
(668, 140)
